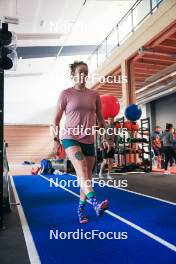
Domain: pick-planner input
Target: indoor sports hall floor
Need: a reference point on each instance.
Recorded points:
(149, 222)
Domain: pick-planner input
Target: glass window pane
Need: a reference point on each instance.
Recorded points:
(140, 11)
(93, 62)
(112, 41)
(125, 27)
(156, 2)
(102, 52)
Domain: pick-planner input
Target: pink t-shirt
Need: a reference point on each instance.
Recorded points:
(80, 109)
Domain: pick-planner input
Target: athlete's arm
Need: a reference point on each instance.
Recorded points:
(61, 104)
(56, 123)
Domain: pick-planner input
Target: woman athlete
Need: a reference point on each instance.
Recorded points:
(81, 106)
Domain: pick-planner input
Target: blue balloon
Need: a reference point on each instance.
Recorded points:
(133, 112)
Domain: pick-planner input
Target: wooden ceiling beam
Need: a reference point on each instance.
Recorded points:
(147, 65)
(156, 62)
(167, 47)
(170, 31)
(145, 75)
(159, 58)
(145, 71)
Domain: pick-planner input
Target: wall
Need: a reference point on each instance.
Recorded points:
(165, 109)
(32, 92)
(31, 143)
(162, 111)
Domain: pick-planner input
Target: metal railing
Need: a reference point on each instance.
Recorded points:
(125, 27)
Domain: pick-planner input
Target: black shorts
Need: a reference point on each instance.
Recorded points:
(157, 151)
(108, 155)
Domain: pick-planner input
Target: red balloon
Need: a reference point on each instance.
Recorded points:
(127, 124)
(131, 126)
(135, 126)
(118, 125)
(110, 106)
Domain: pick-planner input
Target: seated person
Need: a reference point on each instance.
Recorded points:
(157, 147)
(107, 153)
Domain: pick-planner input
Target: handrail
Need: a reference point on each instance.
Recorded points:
(153, 4)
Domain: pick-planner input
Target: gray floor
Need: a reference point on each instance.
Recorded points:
(153, 184)
(12, 244)
(13, 247)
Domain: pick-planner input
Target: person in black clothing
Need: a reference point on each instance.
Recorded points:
(168, 148)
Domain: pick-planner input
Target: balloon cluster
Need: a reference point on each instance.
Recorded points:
(111, 108)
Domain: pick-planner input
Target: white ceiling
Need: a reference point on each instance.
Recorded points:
(63, 22)
(31, 91)
(60, 22)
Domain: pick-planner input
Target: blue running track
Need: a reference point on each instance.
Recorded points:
(55, 209)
